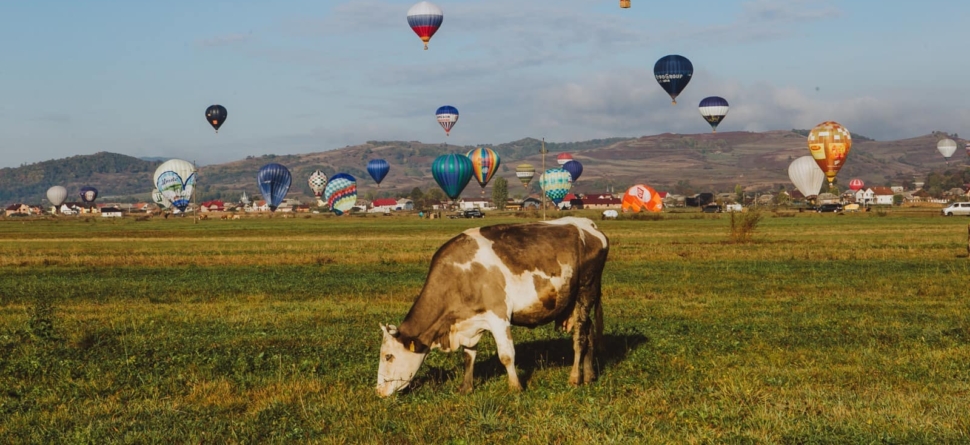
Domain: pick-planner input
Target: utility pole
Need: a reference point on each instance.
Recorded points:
(542, 186)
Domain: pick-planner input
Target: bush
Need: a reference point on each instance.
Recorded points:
(743, 226)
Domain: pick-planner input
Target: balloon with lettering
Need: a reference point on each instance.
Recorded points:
(216, 116)
(175, 180)
(425, 18)
(485, 162)
(563, 158)
(378, 168)
(452, 173)
(56, 195)
(447, 117)
(88, 194)
(713, 109)
(575, 168)
(317, 182)
(806, 175)
(525, 173)
(641, 198)
(856, 184)
(829, 143)
(341, 193)
(947, 147)
(555, 183)
(673, 73)
(274, 181)
(159, 199)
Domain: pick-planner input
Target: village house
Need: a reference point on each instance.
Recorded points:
(882, 195)
(111, 212)
(475, 203)
(383, 205)
(405, 204)
(212, 206)
(864, 197)
(604, 201)
(17, 209)
(531, 202)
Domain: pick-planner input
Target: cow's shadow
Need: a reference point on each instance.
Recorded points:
(534, 355)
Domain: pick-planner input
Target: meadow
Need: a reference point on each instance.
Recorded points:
(823, 328)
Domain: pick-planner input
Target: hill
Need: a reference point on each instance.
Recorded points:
(675, 162)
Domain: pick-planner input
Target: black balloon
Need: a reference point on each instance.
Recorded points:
(216, 115)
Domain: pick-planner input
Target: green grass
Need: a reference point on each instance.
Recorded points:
(822, 329)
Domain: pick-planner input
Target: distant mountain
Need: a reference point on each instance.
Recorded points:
(154, 158)
(672, 162)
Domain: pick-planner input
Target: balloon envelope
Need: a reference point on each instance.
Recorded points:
(175, 179)
(525, 173)
(856, 185)
(341, 193)
(829, 143)
(806, 175)
(713, 109)
(216, 115)
(317, 181)
(274, 181)
(159, 199)
(447, 117)
(673, 73)
(485, 163)
(378, 168)
(452, 173)
(575, 168)
(88, 194)
(556, 183)
(947, 147)
(425, 18)
(642, 198)
(563, 158)
(56, 195)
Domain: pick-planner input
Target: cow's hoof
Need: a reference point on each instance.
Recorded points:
(465, 389)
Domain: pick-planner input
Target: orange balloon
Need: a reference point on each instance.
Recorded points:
(829, 143)
(642, 198)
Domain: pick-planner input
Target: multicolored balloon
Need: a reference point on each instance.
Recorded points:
(88, 194)
(216, 115)
(447, 117)
(525, 173)
(56, 195)
(713, 109)
(425, 18)
(856, 184)
(485, 163)
(563, 158)
(341, 193)
(642, 198)
(806, 175)
(575, 168)
(829, 143)
(625, 4)
(947, 147)
(378, 168)
(673, 73)
(317, 182)
(556, 183)
(452, 173)
(175, 180)
(274, 181)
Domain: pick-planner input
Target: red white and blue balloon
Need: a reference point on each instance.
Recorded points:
(425, 18)
(447, 117)
(714, 109)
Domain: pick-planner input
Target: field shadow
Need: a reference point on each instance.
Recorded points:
(538, 354)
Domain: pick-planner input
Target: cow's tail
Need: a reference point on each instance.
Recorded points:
(597, 340)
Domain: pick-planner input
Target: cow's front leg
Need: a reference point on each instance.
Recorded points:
(506, 355)
(466, 385)
(580, 337)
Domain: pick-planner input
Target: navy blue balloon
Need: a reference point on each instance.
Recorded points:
(88, 194)
(673, 72)
(378, 169)
(274, 181)
(574, 168)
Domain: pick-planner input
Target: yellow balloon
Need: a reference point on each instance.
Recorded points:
(829, 143)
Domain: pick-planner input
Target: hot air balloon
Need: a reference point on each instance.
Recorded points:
(556, 183)
(624, 4)
(341, 193)
(673, 72)
(159, 199)
(378, 169)
(947, 147)
(805, 173)
(216, 115)
(447, 117)
(829, 143)
(563, 158)
(713, 109)
(452, 173)
(175, 179)
(525, 173)
(88, 194)
(56, 195)
(274, 181)
(317, 182)
(642, 198)
(856, 185)
(575, 168)
(425, 18)
(485, 163)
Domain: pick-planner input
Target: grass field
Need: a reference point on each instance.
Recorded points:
(824, 329)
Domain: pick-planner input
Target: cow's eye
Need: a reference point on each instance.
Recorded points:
(389, 358)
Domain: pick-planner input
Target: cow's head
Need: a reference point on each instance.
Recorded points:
(399, 361)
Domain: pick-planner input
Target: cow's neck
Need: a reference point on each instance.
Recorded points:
(429, 324)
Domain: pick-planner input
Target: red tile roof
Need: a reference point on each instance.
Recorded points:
(384, 202)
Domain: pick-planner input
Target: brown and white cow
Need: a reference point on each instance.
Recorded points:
(491, 278)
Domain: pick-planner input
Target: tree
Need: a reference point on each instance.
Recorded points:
(500, 192)
(434, 196)
(416, 195)
(738, 193)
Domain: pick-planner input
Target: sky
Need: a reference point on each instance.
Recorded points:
(301, 76)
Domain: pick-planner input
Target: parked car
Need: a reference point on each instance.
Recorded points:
(711, 208)
(957, 208)
(829, 208)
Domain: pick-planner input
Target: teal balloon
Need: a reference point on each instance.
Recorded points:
(452, 173)
(556, 183)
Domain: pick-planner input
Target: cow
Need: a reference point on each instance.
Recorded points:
(492, 278)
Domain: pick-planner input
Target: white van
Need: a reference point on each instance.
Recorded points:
(957, 208)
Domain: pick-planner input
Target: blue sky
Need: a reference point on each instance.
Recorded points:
(304, 76)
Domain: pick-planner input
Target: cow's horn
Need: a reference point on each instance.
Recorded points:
(391, 329)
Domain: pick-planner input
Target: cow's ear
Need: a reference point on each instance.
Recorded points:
(392, 330)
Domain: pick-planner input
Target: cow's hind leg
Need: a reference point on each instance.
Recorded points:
(593, 336)
(466, 384)
(506, 354)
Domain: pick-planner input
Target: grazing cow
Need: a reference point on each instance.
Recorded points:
(490, 278)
